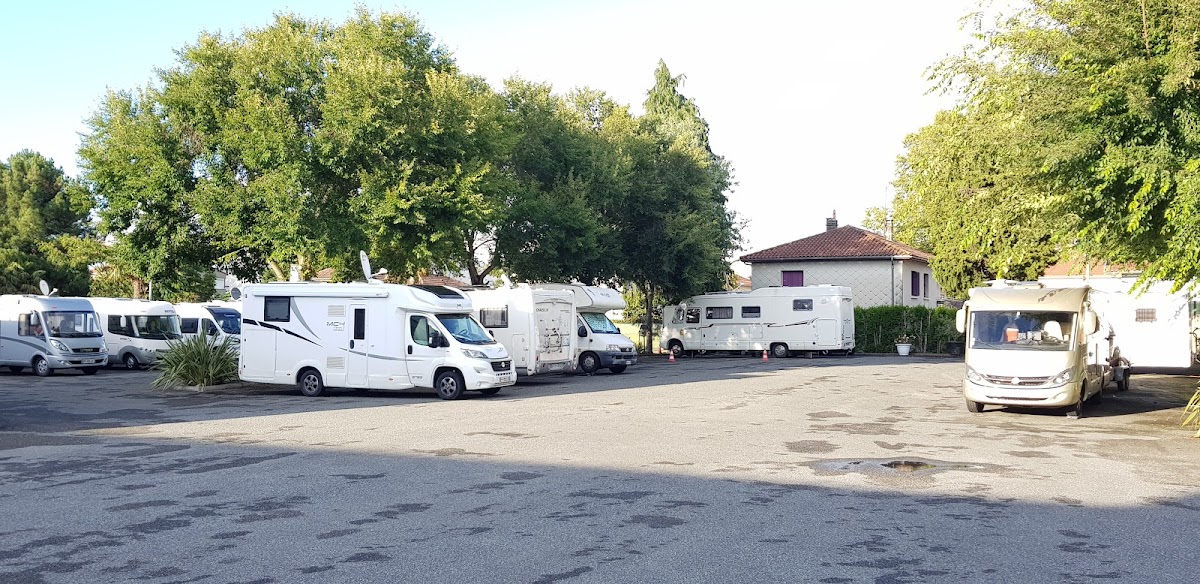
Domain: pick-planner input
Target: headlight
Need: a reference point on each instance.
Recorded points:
(58, 345)
(972, 375)
(1063, 377)
(472, 353)
(614, 348)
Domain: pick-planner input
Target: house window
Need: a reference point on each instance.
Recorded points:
(494, 317)
(719, 312)
(751, 312)
(189, 326)
(277, 309)
(693, 316)
(916, 283)
(1146, 315)
(925, 285)
(802, 304)
(792, 277)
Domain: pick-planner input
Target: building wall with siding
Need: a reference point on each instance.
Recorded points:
(873, 282)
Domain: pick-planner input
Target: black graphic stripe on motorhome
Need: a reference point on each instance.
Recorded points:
(792, 323)
(371, 356)
(42, 347)
(276, 328)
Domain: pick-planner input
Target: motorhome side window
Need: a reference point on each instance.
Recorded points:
(693, 316)
(24, 329)
(802, 304)
(189, 326)
(360, 324)
(751, 312)
(277, 309)
(718, 312)
(494, 317)
(419, 326)
(117, 325)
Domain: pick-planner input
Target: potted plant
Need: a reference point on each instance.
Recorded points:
(904, 344)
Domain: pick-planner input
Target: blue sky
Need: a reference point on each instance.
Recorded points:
(809, 100)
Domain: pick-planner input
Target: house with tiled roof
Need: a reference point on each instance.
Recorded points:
(878, 270)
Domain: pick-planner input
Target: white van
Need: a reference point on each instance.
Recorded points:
(783, 320)
(1032, 346)
(368, 336)
(210, 319)
(136, 331)
(600, 343)
(536, 326)
(48, 333)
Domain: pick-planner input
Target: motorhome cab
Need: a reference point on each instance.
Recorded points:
(136, 331)
(600, 343)
(535, 325)
(209, 319)
(368, 336)
(1031, 346)
(48, 333)
(783, 320)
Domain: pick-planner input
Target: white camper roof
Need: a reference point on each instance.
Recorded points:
(590, 298)
(419, 297)
(47, 303)
(520, 295)
(782, 292)
(132, 307)
(1027, 298)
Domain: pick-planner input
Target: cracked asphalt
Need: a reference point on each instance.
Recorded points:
(712, 469)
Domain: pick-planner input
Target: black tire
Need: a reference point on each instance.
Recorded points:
(89, 370)
(449, 384)
(130, 362)
(589, 362)
(1123, 384)
(42, 367)
(974, 407)
(618, 368)
(780, 350)
(310, 383)
(1077, 409)
(490, 390)
(676, 348)
(15, 369)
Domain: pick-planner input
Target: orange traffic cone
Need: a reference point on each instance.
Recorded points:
(671, 359)
(764, 356)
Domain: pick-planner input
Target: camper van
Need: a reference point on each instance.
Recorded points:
(536, 326)
(784, 321)
(600, 343)
(368, 336)
(48, 333)
(136, 331)
(209, 319)
(1032, 346)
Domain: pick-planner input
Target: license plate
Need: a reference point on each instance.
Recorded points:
(88, 361)
(556, 367)
(505, 378)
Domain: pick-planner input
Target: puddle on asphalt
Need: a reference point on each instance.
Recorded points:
(898, 466)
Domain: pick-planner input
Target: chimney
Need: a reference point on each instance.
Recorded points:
(831, 223)
(887, 226)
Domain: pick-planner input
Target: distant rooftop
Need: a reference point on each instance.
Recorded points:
(847, 242)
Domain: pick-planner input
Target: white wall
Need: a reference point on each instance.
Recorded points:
(873, 282)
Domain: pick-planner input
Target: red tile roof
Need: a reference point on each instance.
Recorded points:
(847, 242)
(1078, 266)
(442, 281)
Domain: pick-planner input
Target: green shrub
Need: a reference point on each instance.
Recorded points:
(877, 328)
(1191, 413)
(200, 361)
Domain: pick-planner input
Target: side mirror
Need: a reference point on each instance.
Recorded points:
(582, 332)
(34, 319)
(211, 330)
(1091, 322)
(960, 320)
(435, 339)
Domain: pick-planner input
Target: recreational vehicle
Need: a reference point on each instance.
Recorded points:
(48, 333)
(368, 336)
(1032, 346)
(600, 343)
(209, 319)
(136, 331)
(534, 325)
(784, 321)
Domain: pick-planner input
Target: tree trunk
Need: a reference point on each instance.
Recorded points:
(275, 270)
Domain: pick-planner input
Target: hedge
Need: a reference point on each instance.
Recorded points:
(876, 328)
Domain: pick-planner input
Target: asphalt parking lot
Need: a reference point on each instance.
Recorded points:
(714, 469)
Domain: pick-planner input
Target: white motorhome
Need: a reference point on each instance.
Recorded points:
(48, 333)
(1155, 327)
(368, 336)
(783, 320)
(136, 331)
(209, 319)
(535, 325)
(600, 343)
(1032, 346)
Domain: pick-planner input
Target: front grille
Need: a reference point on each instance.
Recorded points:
(87, 350)
(626, 349)
(1017, 381)
(501, 365)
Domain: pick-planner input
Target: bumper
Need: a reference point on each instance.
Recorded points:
(57, 362)
(1032, 397)
(548, 367)
(618, 358)
(491, 379)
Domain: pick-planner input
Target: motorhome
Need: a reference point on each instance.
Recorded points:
(137, 331)
(48, 333)
(783, 320)
(368, 336)
(1028, 345)
(535, 325)
(600, 343)
(210, 319)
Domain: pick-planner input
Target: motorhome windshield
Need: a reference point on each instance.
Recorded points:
(161, 328)
(1021, 330)
(599, 323)
(67, 325)
(228, 319)
(464, 329)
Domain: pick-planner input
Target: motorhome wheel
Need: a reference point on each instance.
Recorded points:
(41, 367)
(449, 385)
(90, 370)
(15, 369)
(1077, 409)
(618, 368)
(130, 361)
(780, 350)
(974, 407)
(589, 363)
(676, 348)
(310, 383)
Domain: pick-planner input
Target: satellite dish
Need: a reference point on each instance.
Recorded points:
(44, 287)
(235, 293)
(366, 264)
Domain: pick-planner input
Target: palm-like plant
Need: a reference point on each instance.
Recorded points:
(197, 361)
(1191, 413)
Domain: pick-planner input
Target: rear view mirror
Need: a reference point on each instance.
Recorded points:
(582, 331)
(1091, 322)
(960, 320)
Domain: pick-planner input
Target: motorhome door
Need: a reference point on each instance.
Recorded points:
(357, 360)
(422, 358)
